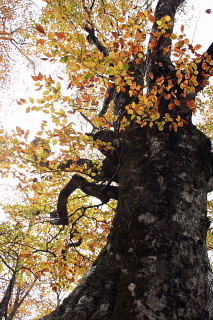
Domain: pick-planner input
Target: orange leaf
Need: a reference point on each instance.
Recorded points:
(60, 35)
(23, 100)
(171, 106)
(40, 76)
(41, 41)
(151, 18)
(177, 102)
(40, 28)
(151, 75)
(141, 15)
(190, 104)
(27, 109)
(197, 47)
(122, 20)
(182, 28)
(35, 78)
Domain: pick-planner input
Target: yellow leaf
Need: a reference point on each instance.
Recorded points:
(167, 18)
(46, 92)
(31, 100)
(130, 94)
(159, 22)
(91, 64)
(51, 36)
(120, 65)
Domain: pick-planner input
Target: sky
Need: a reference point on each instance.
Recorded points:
(198, 30)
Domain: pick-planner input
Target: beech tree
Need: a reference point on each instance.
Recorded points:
(157, 164)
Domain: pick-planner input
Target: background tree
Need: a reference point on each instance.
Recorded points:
(155, 263)
(15, 21)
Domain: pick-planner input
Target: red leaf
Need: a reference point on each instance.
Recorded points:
(208, 11)
(40, 28)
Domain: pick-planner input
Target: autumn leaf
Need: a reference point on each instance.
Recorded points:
(40, 76)
(60, 35)
(41, 41)
(23, 100)
(197, 47)
(151, 18)
(40, 29)
(35, 78)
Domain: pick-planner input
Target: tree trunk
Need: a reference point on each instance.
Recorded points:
(155, 264)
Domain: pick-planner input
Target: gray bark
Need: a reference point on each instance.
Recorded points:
(155, 264)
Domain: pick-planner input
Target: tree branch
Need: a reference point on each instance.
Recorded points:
(159, 48)
(90, 188)
(94, 40)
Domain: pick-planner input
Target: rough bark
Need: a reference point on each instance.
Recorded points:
(155, 264)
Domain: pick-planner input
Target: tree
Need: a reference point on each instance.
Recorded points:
(157, 164)
(14, 34)
(35, 273)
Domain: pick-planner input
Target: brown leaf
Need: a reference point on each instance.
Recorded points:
(60, 35)
(40, 76)
(197, 47)
(40, 28)
(151, 18)
(115, 34)
(35, 78)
